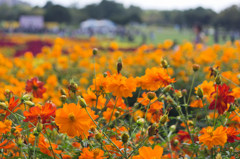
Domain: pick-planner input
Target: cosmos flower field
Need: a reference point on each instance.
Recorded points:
(73, 98)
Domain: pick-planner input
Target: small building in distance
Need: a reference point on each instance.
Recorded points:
(10, 2)
(94, 26)
(31, 23)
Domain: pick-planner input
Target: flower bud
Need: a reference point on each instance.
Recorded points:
(117, 113)
(196, 67)
(164, 63)
(163, 119)
(73, 86)
(136, 105)
(3, 106)
(26, 97)
(231, 149)
(63, 92)
(152, 130)
(178, 94)
(95, 51)
(190, 123)
(178, 108)
(171, 101)
(161, 97)
(218, 80)
(184, 92)
(8, 94)
(175, 142)
(98, 137)
(172, 128)
(125, 138)
(200, 92)
(119, 65)
(82, 102)
(35, 132)
(19, 141)
(63, 98)
(219, 156)
(151, 95)
(105, 74)
(140, 121)
(167, 89)
(29, 103)
(39, 127)
(178, 117)
(185, 105)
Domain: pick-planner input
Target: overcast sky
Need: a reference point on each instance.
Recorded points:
(216, 5)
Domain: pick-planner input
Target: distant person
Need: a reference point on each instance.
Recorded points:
(224, 36)
(216, 35)
(199, 35)
(232, 36)
(144, 39)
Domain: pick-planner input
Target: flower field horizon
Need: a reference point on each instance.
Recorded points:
(70, 98)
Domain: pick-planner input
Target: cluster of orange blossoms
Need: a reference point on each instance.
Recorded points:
(64, 109)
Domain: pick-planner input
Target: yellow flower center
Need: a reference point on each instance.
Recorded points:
(210, 132)
(71, 117)
(95, 153)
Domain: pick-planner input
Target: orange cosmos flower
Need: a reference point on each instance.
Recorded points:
(154, 79)
(12, 106)
(223, 98)
(109, 114)
(7, 144)
(74, 120)
(196, 104)
(99, 84)
(232, 134)
(36, 87)
(235, 118)
(45, 147)
(236, 92)
(112, 149)
(121, 86)
(91, 100)
(94, 154)
(212, 137)
(119, 103)
(207, 87)
(155, 112)
(183, 136)
(144, 99)
(44, 112)
(137, 114)
(5, 126)
(149, 153)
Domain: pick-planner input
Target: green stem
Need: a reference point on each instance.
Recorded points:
(214, 121)
(50, 142)
(34, 148)
(125, 149)
(191, 88)
(147, 110)
(113, 110)
(104, 133)
(140, 145)
(14, 116)
(168, 140)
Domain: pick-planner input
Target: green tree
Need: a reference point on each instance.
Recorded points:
(57, 13)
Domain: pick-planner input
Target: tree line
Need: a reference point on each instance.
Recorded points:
(228, 18)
